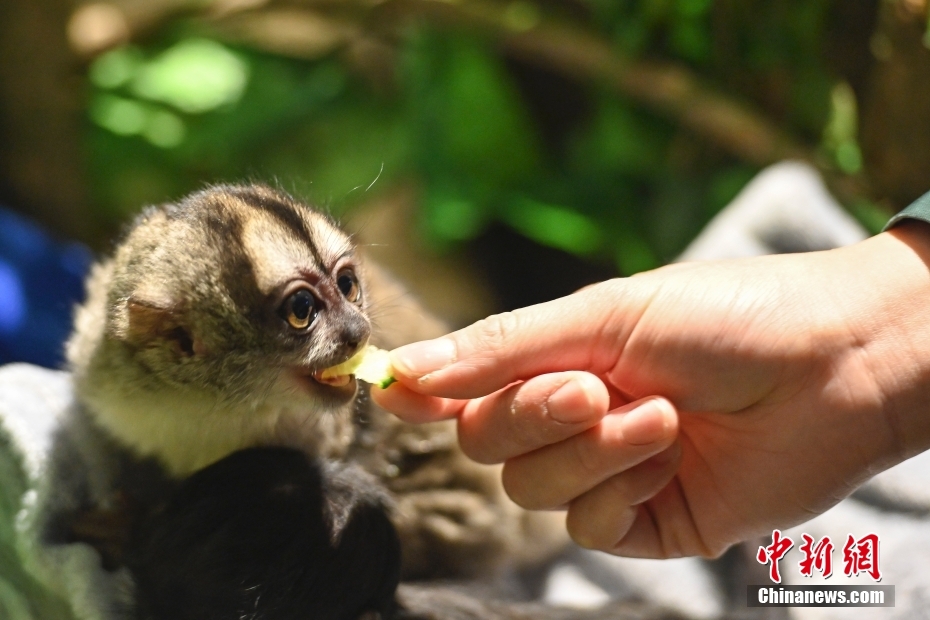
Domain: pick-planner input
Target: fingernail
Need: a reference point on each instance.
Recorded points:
(422, 358)
(572, 402)
(646, 424)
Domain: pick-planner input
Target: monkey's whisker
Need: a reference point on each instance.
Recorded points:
(372, 184)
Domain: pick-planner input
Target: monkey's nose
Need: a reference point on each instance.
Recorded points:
(355, 334)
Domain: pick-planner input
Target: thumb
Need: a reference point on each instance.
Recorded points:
(583, 331)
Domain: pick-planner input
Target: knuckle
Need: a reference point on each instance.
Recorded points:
(604, 295)
(612, 288)
(587, 457)
(490, 432)
(517, 489)
(476, 447)
(619, 489)
(496, 331)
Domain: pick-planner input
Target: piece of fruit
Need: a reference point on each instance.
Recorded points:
(371, 364)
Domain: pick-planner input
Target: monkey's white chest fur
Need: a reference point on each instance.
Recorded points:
(186, 430)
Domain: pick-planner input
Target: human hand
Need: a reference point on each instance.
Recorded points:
(787, 381)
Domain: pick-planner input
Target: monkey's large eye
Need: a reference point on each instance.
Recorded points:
(299, 309)
(348, 284)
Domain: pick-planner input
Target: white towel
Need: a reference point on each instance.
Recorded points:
(40, 581)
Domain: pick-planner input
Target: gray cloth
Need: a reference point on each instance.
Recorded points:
(785, 208)
(39, 581)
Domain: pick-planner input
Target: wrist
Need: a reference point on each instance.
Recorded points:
(888, 314)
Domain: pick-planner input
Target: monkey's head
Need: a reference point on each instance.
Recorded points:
(207, 330)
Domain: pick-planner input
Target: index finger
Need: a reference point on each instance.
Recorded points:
(583, 331)
(416, 408)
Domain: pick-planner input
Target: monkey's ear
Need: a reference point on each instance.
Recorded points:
(148, 317)
(154, 317)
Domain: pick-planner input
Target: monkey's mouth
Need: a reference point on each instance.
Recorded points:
(341, 387)
(335, 381)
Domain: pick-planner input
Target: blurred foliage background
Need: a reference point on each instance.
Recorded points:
(493, 152)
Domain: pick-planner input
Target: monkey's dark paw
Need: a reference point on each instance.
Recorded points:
(267, 533)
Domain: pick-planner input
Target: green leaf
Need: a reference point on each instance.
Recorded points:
(115, 68)
(128, 117)
(632, 36)
(927, 33)
(466, 113)
(690, 39)
(726, 184)
(839, 136)
(620, 140)
(693, 8)
(122, 116)
(195, 76)
(554, 225)
(870, 215)
(451, 217)
(634, 255)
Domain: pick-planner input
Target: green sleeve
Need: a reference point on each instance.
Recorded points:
(917, 210)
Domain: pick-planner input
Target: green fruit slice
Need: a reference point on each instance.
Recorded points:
(371, 364)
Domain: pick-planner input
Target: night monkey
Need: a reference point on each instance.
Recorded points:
(207, 333)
